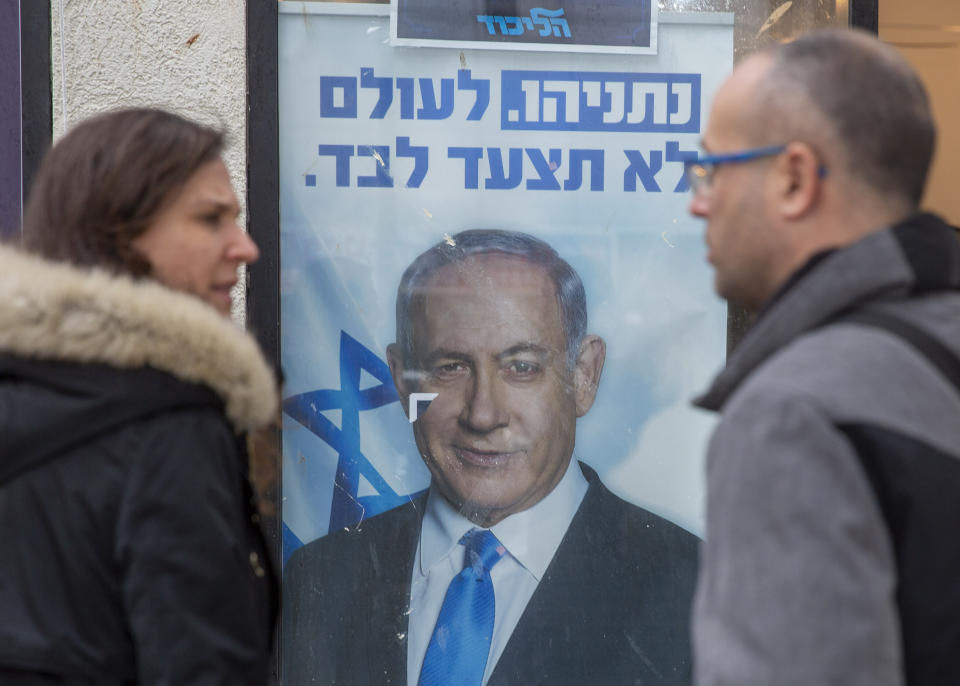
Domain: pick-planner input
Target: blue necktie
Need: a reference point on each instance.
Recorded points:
(457, 653)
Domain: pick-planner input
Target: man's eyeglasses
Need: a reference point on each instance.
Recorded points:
(699, 172)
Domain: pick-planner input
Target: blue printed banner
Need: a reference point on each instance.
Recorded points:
(612, 25)
(599, 101)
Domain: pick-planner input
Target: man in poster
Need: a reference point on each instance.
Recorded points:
(519, 566)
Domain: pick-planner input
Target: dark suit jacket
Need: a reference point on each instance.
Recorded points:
(612, 608)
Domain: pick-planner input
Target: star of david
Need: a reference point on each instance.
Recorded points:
(348, 507)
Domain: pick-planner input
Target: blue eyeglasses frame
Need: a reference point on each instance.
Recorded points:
(699, 172)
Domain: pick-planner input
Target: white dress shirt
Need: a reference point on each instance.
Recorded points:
(531, 538)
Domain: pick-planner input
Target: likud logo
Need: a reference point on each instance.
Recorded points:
(546, 22)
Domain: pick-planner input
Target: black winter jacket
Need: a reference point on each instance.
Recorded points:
(131, 552)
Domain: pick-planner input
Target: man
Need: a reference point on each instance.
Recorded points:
(586, 588)
(833, 480)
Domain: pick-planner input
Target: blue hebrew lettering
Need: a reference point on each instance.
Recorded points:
(577, 160)
(405, 86)
(481, 86)
(430, 110)
(560, 101)
(640, 168)
(606, 100)
(348, 508)
(488, 20)
(675, 154)
(498, 180)
(546, 170)
(419, 154)
(384, 85)
(538, 17)
(382, 178)
(681, 103)
(599, 101)
(471, 164)
(338, 97)
(649, 104)
(342, 153)
(517, 26)
(550, 21)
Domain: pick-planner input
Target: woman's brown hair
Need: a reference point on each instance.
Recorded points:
(103, 183)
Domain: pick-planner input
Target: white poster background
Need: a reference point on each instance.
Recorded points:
(344, 248)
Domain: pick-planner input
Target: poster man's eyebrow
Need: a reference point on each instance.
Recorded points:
(534, 348)
(445, 354)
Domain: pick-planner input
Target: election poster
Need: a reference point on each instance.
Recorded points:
(397, 134)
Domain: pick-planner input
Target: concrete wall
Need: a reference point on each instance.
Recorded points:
(185, 55)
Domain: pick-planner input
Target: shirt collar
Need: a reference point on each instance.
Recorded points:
(531, 537)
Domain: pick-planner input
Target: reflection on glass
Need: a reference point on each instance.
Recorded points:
(386, 149)
(760, 22)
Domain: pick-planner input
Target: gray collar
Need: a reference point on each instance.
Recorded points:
(883, 265)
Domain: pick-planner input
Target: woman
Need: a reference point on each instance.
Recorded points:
(131, 552)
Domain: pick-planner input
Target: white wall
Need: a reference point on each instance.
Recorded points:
(185, 55)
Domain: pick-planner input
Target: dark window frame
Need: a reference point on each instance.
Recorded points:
(36, 110)
(263, 223)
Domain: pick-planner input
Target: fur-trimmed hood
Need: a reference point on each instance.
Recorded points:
(56, 312)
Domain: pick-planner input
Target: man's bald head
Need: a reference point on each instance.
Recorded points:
(856, 101)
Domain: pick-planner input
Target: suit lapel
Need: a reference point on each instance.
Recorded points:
(391, 556)
(542, 643)
(613, 606)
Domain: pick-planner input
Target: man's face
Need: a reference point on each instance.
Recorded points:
(742, 244)
(488, 340)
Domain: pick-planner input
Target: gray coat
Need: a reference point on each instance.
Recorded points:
(833, 480)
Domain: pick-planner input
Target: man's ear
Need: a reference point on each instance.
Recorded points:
(799, 178)
(397, 369)
(586, 375)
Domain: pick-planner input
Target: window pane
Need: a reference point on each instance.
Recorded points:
(506, 178)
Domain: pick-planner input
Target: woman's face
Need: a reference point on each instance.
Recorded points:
(195, 244)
